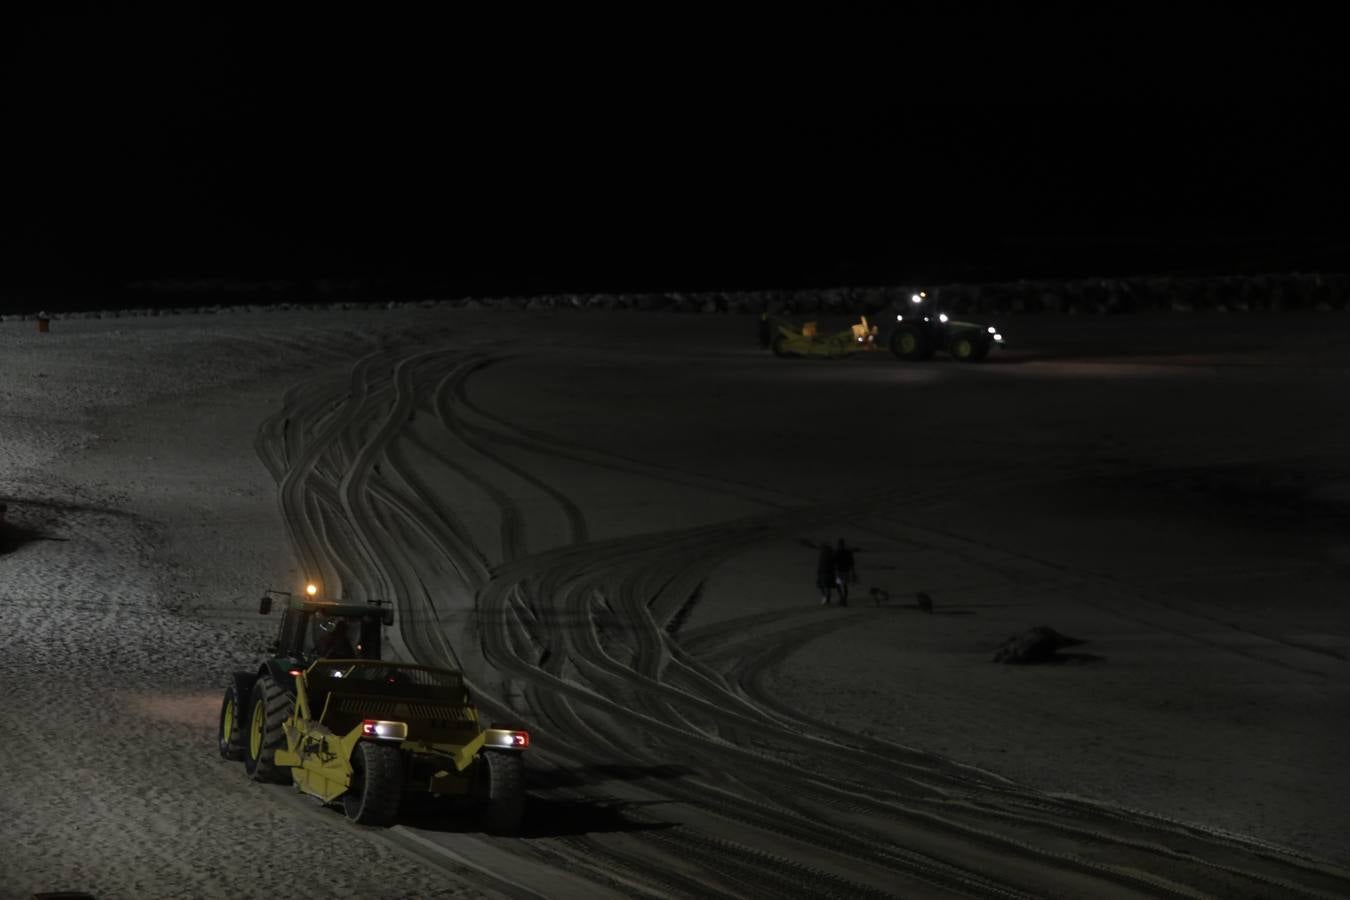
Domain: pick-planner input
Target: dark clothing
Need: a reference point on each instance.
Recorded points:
(825, 570)
(330, 638)
(843, 570)
(843, 562)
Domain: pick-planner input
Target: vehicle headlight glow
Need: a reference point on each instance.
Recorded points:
(916, 298)
(311, 589)
(998, 337)
(942, 317)
(378, 728)
(899, 318)
(993, 330)
(501, 737)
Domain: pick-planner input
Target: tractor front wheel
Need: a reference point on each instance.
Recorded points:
(506, 792)
(230, 735)
(377, 784)
(268, 708)
(910, 343)
(963, 348)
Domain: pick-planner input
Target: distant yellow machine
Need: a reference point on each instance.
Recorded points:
(807, 340)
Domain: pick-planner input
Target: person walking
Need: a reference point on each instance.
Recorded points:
(844, 570)
(825, 576)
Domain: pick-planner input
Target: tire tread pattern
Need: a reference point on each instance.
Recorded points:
(232, 750)
(276, 707)
(381, 790)
(506, 792)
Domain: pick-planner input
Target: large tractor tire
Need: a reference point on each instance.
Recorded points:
(505, 808)
(268, 707)
(377, 784)
(964, 348)
(910, 343)
(230, 735)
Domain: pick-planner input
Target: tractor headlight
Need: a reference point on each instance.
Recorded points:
(899, 318)
(999, 338)
(390, 731)
(942, 317)
(916, 299)
(993, 330)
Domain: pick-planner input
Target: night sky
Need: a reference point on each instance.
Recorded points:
(670, 150)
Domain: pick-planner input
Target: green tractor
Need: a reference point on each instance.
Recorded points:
(927, 329)
(808, 341)
(328, 715)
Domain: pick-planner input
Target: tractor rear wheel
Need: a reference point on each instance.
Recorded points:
(506, 792)
(268, 707)
(909, 342)
(377, 784)
(230, 736)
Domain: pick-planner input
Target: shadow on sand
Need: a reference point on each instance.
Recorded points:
(26, 522)
(13, 536)
(545, 817)
(1071, 659)
(581, 776)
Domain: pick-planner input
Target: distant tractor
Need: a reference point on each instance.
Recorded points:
(926, 330)
(808, 341)
(327, 714)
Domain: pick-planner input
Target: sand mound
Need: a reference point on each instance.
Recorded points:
(1035, 645)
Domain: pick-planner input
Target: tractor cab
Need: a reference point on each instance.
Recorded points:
(924, 328)
(324, 629)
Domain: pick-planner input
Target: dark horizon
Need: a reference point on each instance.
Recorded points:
(409, 151)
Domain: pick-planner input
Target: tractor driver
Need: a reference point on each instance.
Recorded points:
(330, 638)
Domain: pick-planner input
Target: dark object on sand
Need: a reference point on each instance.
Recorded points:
(825, 573)
(1035, 645)
(879, 596)
(925, 602)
